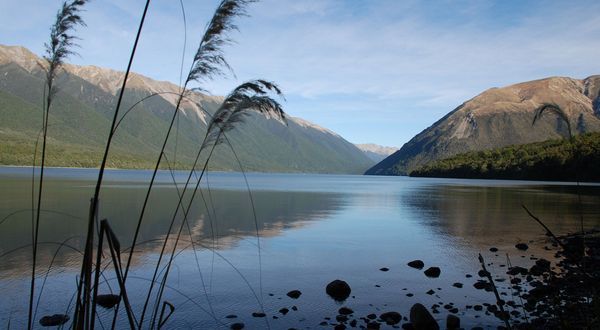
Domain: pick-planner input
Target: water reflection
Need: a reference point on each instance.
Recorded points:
(218, 218)
(485, 214)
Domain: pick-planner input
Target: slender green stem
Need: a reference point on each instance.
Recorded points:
(86, 266)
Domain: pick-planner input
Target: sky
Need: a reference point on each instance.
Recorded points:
(373, 71)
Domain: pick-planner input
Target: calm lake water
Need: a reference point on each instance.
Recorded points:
(312, 229)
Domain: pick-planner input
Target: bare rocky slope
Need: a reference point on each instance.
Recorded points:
(500, 117)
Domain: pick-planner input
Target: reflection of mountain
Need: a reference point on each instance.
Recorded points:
(489, 214)
(229, 219)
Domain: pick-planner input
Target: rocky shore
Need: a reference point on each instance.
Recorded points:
(560, 293)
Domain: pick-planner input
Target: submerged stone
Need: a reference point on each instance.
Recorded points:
(391, 318)
(522, 246)
(54, 320)
(107, 300)
(433, 272)
(418, 264)
(294, 294)
(345, 311)
(237, 326)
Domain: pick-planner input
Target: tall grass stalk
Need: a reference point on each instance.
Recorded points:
(248, 97)
(208, 62)
(57, 50)
(82, 311)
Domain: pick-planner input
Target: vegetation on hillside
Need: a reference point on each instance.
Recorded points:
(561, 160)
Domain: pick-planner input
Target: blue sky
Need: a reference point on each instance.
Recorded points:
(373, 71)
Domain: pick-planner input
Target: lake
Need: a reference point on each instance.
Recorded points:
(312, 229)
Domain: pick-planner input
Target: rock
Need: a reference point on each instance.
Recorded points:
(353, 323)
(258, 314)
(231, 316)
(371, 316)
(430, 292)
(345, 311)
(493, 249)
(452, 322)
(457, 285)
(421, 318)
(373, 325)
(391, 318)
(384, 269)
(54, 320)
(108, 300)
(341, 318)
(432, 272)
(483, 285)
(339, 327)
(294, 308)
(483, 273)
(284, 311)
(418, 264)
(237, 326)
(294, 294)
(408, 326)
(522, 246)
(516, 270)
(478, 307)
(338, 290)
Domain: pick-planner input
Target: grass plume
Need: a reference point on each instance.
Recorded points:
(58, 49)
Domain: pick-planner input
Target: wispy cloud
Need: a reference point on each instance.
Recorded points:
(395, 66)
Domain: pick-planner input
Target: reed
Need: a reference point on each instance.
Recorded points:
(208, 62)
(60, 46)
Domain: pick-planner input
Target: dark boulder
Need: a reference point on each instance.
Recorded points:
(391, 318)
(433, 272)
(294, 294)
(522, 246)
(345, 311)
(422, 319)
(452, 322)
(54, 320)
(108, 300)
(237, 326)
(516, 270)
(418, 264)
(338, 290)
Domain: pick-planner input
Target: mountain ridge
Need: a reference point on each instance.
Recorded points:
(84, 107)
(500, 117)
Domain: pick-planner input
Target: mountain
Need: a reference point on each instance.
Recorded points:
(376, 152)
(80, 119)
(501, 117)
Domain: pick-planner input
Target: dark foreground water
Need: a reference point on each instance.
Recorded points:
(312, 229)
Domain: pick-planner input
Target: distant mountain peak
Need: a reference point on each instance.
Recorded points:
(376, 152)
